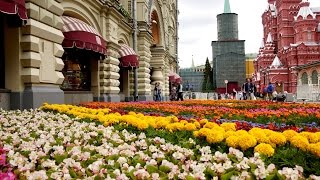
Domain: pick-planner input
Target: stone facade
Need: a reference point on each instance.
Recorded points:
(291, 39)
(34, 54)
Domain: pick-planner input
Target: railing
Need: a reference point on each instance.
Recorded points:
(117, 5)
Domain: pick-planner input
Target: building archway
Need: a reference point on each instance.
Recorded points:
(84, 47)
(80, 11)
(155, 28)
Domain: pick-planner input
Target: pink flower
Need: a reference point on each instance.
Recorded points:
(3, 160)
(7, 176)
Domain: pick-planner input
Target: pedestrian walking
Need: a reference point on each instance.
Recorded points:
(270, 90)
(248, 89)
(180, 92)
(157, 91)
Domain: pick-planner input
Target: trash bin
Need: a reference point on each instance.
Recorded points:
(194, 96)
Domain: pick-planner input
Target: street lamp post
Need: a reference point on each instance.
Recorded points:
(226, 82)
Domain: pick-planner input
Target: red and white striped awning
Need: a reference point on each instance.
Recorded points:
(82, 36)
(128, 57)
(174, 77)
(14, 7)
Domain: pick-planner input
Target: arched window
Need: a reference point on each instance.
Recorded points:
(309, 36)
(304, 78)
(314, 77)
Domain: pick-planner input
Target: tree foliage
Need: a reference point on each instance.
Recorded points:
(207, 85)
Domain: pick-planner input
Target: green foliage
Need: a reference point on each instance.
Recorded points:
(288, 156)
(207, 85)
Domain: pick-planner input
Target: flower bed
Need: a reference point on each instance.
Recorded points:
(43, 145)
(302, 148)
(275, 116)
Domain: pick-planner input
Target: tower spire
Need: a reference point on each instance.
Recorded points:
(192, 65)
(227, 8)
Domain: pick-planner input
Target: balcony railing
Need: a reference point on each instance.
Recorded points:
(118, 6)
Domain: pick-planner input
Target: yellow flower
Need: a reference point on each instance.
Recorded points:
(229, 133)
(204, 132)
(315, 149)
(259, 134)
(203, 121)
(210, 125)
(246, 141)
(300, 142)
(196, 133)
(197, 124)
(215, 136)
(241, 132)
(228, 126)
(232, 141)
(190, 127)
(289, 134)
(312, 137)
(265, 149)
(277, 138)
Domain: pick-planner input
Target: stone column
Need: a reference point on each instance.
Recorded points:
(144, 88)
(158, 58)
(109, 75)
(41, 56)
(166, 71)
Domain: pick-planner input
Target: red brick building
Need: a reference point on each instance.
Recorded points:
(291, 38)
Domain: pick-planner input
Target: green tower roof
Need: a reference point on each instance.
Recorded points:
(227, 8)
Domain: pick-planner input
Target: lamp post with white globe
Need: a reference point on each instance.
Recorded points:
(226, 82)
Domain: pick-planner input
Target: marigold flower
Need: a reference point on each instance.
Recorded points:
(232, 141)
(289, 134)
(210, 125)
(229, 133)
(215, 137)
(312, 137)
(277, 138)
(300, 142)
(228, 126)
(246, 141)
(315, 149)
(190, 127)
(265, 149)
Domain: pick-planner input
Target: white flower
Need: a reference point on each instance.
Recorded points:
(122, 160)
(155, 176)
(178, 156)
(122, 177)
(56, 175)
(271, 168)
(38, 175)
(33, 156)
(141, 174)
(111, 162)
(142, 136)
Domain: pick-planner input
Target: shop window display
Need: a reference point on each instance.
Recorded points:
(77, 71)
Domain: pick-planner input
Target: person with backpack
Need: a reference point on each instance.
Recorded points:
(270, 90)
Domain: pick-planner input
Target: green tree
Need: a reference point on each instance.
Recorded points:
(207, 84)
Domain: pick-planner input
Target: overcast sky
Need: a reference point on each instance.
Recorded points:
(198, 26)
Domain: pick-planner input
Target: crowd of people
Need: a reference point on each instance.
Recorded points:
(176, 92)
(249, 91)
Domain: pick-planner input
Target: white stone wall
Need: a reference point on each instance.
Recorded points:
(41, 43)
